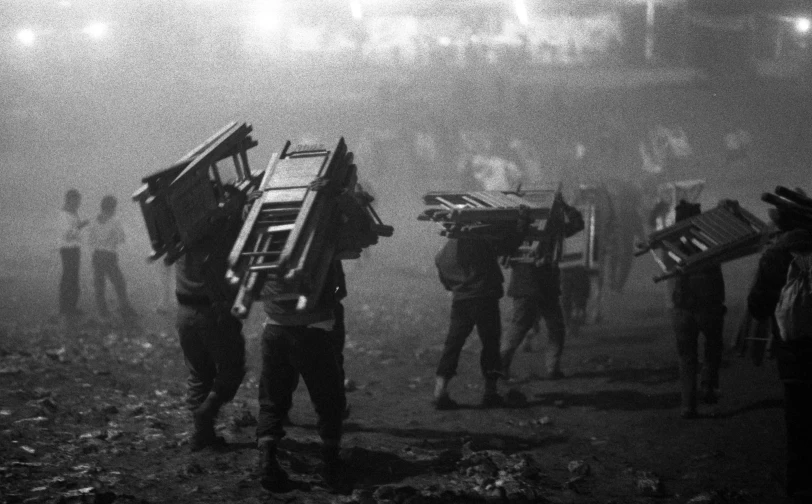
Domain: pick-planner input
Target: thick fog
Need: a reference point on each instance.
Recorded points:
(100, 117)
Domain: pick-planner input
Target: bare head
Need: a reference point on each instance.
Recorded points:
(108, 204)
(685, 210)
(72, 200)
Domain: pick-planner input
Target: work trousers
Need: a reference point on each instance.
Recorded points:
(797, 401)
(794, 361)
(69, 282)
(482, 313)
(526, 310)
(338, 337)
(290, 351)
(105, 266)
(214, 349)
(688, 324)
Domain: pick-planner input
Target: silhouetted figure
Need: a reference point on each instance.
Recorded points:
(628, 227)
(698, 307)
(70, 251)
(793, 352)
(105, 235)
(210, 336)
(536, 293)
(297, 342)
(469, 268)
(303, 342)
(213, 347)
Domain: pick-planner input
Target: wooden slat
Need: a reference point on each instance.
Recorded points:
(728, 222)
(722, 234)
(475, 202)
(715, 230)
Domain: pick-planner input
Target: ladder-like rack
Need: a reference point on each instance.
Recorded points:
(178, 203)
(195, 205)
(495, 215)
(488, 214)
(580, 249)
(722, 234)
(292, 232)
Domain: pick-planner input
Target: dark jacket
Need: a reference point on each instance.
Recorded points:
(700, 290)
(794, 357)
(469, 268)
(200, 281)
(189, 279)
(544, 280)
(201, 271)
(283, 311)
(772, 271)
(527, 279)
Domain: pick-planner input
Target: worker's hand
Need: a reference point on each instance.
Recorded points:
(252, 196)
(324, 184)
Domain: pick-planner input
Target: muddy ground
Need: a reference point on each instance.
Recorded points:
(93, 412)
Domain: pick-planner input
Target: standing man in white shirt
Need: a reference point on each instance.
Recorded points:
(106, 234)
(70, 251)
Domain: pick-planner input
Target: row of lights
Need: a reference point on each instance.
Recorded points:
(98, 30)
(94, 31)
(519, 9)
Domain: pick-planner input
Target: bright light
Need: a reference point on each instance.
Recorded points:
(355, 8)
(95, 30)
(267, 16)
(26, 37)
(802, 25)
(521, 12)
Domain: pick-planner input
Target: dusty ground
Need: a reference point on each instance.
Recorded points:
(94, 413)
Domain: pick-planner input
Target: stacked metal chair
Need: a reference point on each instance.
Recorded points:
(192, 206)
(292, 233)
(725, 233)
(494, 215)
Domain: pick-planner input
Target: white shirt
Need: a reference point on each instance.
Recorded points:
(495, 173)
(107, 235)
(69, 230)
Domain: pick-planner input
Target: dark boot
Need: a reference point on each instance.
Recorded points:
(491, 397)
(271, 475)
(687, 378)
(204, 417)
(332, 468)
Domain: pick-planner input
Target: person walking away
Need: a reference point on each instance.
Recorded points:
(105, 236)
(698, 300)
(213, 347)
(70, 252)
(210, 336)
(469, 269)
(784, 264)
(536, 293)
(302, 342)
